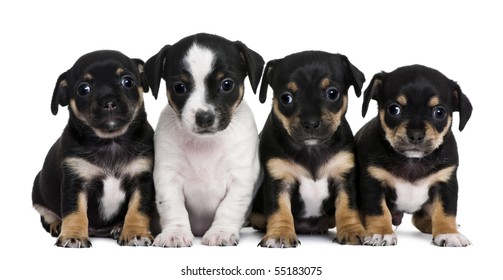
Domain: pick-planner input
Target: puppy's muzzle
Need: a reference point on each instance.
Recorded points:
(109, 105)
(415, 136)
(205, 119)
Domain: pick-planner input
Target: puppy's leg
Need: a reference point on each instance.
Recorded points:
(173, 216)
(350, 229)
(231, 214)
(378, 226)
(135, 231)
(50, 221)
(444, 226)
(280, 225)
(75, 225)
(422, 220)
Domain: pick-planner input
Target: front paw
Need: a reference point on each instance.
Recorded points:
(451, 240)
(73, 242)
(350, 235)
(381, 239)
(220, 237)
(176, 238)
(132, 239)
(286, 240)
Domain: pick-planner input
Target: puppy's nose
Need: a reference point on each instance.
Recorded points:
(311, 124)
(205, 119)
(415, 136)
(110, 105)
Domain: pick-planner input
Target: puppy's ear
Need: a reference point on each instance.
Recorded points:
(266, 78)
(60, 94)
(355, 77)
(143, 77)
(254, 64)
(372, 91)
(154, 69)
(462, 105)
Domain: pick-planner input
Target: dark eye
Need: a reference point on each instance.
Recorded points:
(286, 98)
(332, 94)
(83, 89)
(180, 88)
(127, 82)
(394, 110)
(439, 113)
(227, 85)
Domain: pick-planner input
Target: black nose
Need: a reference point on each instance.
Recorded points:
(205, 119)
(110, 106)
(415, 136)
(311, 124)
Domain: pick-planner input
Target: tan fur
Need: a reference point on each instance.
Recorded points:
(136, 224)
(280, 225)
(347, 220)
(75, 225)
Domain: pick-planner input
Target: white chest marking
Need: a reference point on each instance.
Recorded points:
(313, 193)
(410, 197)
(112, 199)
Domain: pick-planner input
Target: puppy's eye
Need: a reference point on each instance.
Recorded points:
(179, 88)
(83, 89)
(286, 98)
(227, 85)
(439, 113)
(127, 82)
(394, 110)
(332, 94)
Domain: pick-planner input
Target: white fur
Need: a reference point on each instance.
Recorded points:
(209, 178)
(199, 62)
(381, 240)
(112, 199)
(451, 240)
(410, 197)
(313, 193)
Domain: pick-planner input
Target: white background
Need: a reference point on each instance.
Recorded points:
(42, 39)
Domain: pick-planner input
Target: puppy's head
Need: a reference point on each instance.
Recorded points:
(104, 90)
(204, 76)
(311, 93)
(415, 108)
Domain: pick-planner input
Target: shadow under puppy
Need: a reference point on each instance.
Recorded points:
(206, 141)
(97, 178)
(408, 156)
(307, 151)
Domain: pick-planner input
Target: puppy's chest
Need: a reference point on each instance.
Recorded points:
(312, 192)
(108, 183)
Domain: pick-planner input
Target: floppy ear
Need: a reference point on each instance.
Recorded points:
(355, 76)
(154, 69)
(254, 64)
(462, 105)
(372, 91)
(143, 77)
(266, 77)
(60, 94)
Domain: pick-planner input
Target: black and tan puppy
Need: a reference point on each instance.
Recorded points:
(307, 151)
(97, 177)
(408, 155)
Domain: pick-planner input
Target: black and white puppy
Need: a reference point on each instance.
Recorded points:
(307, 151)
(206, 142)
(408, 156)
(97, 178)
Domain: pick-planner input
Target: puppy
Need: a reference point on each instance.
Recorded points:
(206, 141)
(307, 151)
(97, 178)
(408, 156)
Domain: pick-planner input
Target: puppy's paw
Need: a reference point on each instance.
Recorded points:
(73, 242)
(280, 241)
(451, 240)
(381, 240)
(144, 239)
(350, 235)
(177, 238)
(55, 228)
(220, 237)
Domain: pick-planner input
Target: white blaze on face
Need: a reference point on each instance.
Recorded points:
(199, 62)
